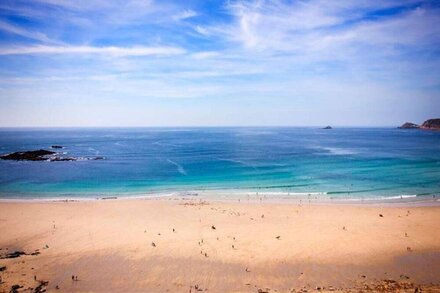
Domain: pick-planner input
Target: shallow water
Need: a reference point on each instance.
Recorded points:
(337, 163)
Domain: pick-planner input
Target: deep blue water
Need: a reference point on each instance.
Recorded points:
(342, 162)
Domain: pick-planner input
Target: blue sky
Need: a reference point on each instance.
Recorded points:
(218, 63)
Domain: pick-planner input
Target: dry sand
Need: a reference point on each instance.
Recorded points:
(271, 247)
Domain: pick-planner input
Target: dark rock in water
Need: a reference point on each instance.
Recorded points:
(328, 127)
(44, 155)
(409, 125)
(56, 147)
(39, 155)
(431, 124)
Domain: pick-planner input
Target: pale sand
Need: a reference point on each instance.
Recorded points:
(108, 244)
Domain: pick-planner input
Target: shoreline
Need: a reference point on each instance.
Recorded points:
(226, 195)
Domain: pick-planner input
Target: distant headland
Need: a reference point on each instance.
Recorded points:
(431, 124)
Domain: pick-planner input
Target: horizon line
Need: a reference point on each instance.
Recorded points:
(205, 126)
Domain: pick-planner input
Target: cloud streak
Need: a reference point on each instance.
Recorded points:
(307, 27)
(13, 29)
(111, 50)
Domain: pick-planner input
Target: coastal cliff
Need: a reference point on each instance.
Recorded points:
(430, 124)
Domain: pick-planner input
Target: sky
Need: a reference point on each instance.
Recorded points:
(218, 63)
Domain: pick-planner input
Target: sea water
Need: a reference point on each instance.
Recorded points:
(336, 163)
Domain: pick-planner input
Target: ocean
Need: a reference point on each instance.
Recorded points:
(343, 163)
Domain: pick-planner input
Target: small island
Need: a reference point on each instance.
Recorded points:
(328, 127)
(409, 125)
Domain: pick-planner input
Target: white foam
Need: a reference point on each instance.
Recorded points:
(180, 169)
(339, 151)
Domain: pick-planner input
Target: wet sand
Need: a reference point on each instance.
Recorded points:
(192, 245)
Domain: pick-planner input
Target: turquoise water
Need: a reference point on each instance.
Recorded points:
(342, 162)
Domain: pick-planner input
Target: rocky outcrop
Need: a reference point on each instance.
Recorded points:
(431, 124)
(328, 127)
(409, 125)
(44, 155)
(56, 147)
(39, 155)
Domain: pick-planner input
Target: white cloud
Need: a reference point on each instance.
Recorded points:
(113, 51)
(187, 13)
(202, 30)
(205, 55)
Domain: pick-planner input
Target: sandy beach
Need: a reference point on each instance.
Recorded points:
(194, 245)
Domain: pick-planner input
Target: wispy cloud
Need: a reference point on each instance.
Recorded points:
(305, 27)
(113, 51)
(13, 29)
(187, 13)
(205, 54)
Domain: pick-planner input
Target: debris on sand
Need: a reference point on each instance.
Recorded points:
(14, 254)
(41, 287)
(14, 288)
(18, 253)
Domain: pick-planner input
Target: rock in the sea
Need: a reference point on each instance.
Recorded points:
(431, 124)
(328, 127)
(409, 125)
(39, 155)
(44, 155)
(56, 147)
